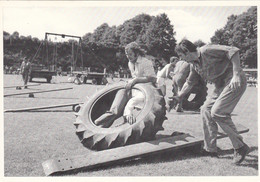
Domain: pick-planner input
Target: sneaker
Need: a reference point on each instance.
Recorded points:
(203, 152)
(240, 154)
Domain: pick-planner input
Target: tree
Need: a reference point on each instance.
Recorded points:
(134, 29)
(159, 38)
(98, 35)
(199, 43)
(241, 31)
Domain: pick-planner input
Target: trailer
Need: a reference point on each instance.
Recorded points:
(41, 72)
(95, 77)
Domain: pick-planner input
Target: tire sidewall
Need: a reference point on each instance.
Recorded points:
(86, 110)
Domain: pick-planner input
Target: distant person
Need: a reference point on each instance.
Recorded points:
(6, 69)
(220, 65)
(164, 73)
(25, 71)
(127, 99)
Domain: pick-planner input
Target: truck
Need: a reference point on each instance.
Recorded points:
(96, 78)
(39, 71)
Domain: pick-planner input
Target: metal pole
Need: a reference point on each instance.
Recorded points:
(37, 92)
(81, 56)
(72, 56)
(37, 84)
(36, 52)
(42, 107)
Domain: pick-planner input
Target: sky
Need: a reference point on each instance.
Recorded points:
(192, 22)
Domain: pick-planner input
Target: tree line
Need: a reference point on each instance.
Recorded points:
(104, 48)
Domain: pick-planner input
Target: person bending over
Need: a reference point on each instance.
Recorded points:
(164, 73)
(220, 65)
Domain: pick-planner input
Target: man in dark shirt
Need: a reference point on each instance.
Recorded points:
(219, 65)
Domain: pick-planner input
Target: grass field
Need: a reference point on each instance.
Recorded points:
(31, 138)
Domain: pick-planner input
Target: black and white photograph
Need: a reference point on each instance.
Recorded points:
(129, 89)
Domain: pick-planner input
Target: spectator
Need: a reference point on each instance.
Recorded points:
(25, 71)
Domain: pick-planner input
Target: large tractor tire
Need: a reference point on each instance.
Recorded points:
(149, 119)
(200, 91)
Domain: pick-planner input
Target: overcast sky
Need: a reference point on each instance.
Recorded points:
(192, 22)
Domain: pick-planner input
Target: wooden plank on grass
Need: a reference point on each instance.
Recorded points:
(120, 154)
(42, 107)
(24, 93)
(31, 85)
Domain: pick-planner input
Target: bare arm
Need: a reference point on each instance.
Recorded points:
(190, 81)
(185, 89)
(235, 81)
(136, 80)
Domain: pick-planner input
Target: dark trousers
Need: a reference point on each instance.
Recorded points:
(25, 77)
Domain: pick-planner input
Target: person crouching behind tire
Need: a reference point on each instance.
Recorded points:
(164, 73)
(220, 65)
(25, 71)
(142, 71)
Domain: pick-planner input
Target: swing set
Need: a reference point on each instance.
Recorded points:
(50, 60)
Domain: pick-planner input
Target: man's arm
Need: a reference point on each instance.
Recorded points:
(22, 66)
(148, 76)
(190, 82)
(235, 81)
(136, 80)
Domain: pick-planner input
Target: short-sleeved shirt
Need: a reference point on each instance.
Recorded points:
(214, 63)
(163, 72)
(143, 67)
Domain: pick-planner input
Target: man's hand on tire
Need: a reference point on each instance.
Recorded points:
(130, 119)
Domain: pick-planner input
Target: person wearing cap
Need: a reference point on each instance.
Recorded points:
(164, 73)
(25, 71)
(127, 99)
(219, 65)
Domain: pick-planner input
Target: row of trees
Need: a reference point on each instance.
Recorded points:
(105, 46)
(241, 31)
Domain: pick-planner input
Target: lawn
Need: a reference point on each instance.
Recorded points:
(31, 138)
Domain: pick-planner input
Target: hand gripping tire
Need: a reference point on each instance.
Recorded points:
(148, 122)
(200, 90)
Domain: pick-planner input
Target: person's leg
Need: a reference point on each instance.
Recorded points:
(115, 111)
(136, 101)
(210, 128)
(26, 79)
(222, 109)
(23, 77)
